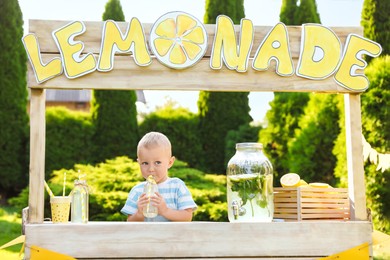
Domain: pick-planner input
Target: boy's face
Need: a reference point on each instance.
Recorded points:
(155, 161)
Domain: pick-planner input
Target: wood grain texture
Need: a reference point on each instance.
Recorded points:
(199, 239)
(37, 155)
(127, 75)
(355, 164)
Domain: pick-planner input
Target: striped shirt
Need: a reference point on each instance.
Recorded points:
(174, 191)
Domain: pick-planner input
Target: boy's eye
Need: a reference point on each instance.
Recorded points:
(144, 163)
(157, 163)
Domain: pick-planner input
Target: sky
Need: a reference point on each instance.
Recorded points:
(260, 12)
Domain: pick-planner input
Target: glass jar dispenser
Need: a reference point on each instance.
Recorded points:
(250, 185)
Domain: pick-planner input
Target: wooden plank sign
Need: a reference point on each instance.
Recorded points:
(242, 55)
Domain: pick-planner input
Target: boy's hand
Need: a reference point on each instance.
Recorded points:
(142, 202)
(159, 202)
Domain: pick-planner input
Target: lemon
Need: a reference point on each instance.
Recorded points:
(319, 185)
(302, 183)
(290, 180)
(178, 40)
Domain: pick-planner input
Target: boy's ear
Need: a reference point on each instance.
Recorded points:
(171, 161)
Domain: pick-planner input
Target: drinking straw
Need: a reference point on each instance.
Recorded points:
(48, 190)
(63, 190)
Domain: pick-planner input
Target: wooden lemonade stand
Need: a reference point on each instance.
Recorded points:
(122, 240)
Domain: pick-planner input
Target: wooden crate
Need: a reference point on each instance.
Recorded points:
(303, 204)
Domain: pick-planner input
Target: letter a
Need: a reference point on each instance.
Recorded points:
(275, 46)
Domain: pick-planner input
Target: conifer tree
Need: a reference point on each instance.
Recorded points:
(376, 130)
(375, 114)
(287, 12)
(310, 152)
(114, 112)
(376, 23)
(286, 108)
(307, 12)
(282, 121)
(220, 112)
(375, 109)
(13, 101)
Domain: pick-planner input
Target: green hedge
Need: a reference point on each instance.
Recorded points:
(68, 138)
(181, 127)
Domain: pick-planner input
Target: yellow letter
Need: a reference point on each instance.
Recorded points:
(74, 65)
(42, 72)
(113, 40)
(320, 52)
(275, 46)
(225, 38)
(346, 76)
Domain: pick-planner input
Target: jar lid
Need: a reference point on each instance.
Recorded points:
(249, 145)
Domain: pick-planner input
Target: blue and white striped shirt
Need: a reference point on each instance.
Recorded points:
(174, 191)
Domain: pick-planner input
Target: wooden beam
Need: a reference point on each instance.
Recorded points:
(355, 163)
(186, 240)
(37, 155)
(127, 75)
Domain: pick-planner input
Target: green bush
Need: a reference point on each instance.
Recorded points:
(180, 126)
(68, 138)
(110, 183)
(376, 130)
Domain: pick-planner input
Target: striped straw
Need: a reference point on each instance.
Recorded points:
(48, 190)
(63, 190)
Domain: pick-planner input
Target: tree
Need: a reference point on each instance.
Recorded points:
(307, 12)
(288, 11)
(232, 8)
(375, 114)
(282, 121)
(13, 101)
(376, 130)
(376, 23)
(310, 152)
(220, 112)
(114, 112)
(286, 108)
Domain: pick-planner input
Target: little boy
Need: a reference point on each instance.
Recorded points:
(173, 199)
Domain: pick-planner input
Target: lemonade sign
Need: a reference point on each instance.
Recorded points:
(179, 40)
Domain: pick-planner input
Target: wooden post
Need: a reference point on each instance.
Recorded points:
(355, 163)
(37, 155)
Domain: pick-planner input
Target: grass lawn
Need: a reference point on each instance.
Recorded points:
(10, 228)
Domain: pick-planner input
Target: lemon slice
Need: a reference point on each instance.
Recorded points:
(319, 185)
(242, 177)
(290, 180)
(178, 40)
(302, 183)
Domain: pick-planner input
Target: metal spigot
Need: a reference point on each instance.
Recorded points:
(237, 209)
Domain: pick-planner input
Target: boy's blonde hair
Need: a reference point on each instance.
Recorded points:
(153, 139)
